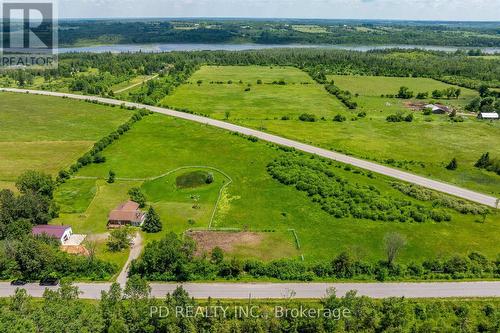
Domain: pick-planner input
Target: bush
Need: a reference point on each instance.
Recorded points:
(119, 239)
(307, 117)
(422, 95)
(405, 93)
(395, 118)
(136, 195)
(409, 118)
(210, 178)
(111, 177)
(339, 118)
(453, 165)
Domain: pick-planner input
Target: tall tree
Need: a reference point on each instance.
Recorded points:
(394, 243)
(35, 182)
(153, 223)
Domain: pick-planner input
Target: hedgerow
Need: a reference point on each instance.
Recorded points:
(94, 154)
(440, 200)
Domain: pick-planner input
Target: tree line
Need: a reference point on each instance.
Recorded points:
(275, 32)
(459, 69)
(36, 257)
(173, 259)
(132, 310)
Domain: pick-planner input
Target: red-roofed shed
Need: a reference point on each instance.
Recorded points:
(60, 232)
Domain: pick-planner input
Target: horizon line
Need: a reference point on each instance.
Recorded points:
(272, 19)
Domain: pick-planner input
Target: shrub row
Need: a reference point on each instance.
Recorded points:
(94, 154)
(343, 95)
(341, 198)
(399, 117)
(440, 200)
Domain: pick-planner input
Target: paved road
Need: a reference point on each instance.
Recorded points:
(301, 290)
(374, 167)
(135, 252)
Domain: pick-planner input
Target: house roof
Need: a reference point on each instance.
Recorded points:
(489, 115)
(435, 107)
(128, 211)
(50, 230)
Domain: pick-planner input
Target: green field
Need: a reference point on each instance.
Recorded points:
(312, 29)
(47, 134)
(424, 146)
(378, 85)
(254, 201)
(264, 101)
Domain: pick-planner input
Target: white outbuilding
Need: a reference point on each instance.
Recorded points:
(488, 116)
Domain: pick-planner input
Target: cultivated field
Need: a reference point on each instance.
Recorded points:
(424, 146)
(48, 134)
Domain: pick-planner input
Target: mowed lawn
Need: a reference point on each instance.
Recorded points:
(208, 92)
(256, 202)
(48, 134)
(424, 146)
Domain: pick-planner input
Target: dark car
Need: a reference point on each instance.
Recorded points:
(49, 281)
(18, 282)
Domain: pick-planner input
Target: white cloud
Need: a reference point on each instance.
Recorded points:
(368, 9)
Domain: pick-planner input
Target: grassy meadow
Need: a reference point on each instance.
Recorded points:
(160, 145)
(424, 146)
(375, 86)
(214, 96)
(49, 134)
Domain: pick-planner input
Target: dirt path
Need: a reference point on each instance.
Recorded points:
(135, 252)
(135, 84)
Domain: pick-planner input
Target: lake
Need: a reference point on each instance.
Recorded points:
(155, 48)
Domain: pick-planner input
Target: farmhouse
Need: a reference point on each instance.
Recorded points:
(126, 214)
(488, 115)
(61, 232)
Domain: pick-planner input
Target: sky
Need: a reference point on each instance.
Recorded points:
(454, 10)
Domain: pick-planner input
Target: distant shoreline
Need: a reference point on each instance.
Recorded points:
(186, 47)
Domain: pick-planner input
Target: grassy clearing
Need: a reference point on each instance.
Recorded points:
(182, 208)
(75, 195)
(424, 146)
(312, 29)
(375, 86)
(95, 218)
(122, 86)
(264, 101)
(256, 202)
(48, 134)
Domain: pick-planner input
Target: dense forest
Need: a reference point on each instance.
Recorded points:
(133, 310)
(84, 32)
(97, 73)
